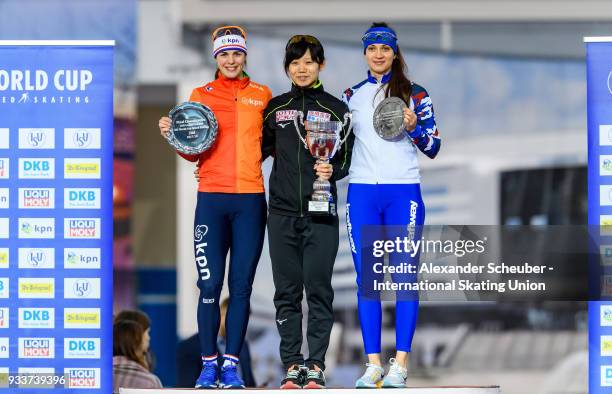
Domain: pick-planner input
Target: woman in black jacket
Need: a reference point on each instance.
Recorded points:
(303, 245)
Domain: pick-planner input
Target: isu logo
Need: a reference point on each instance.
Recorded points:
(82, 228)
(82, 138)
(36, 138)
(36, 347)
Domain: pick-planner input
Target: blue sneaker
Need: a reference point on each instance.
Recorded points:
(230, 378)
(209, 377)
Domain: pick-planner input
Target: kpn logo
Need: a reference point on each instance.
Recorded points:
(84, 228)
(82, 378)
(605, 315)
(82, 258)
(36, 347)
(37, 228)
(36, 198)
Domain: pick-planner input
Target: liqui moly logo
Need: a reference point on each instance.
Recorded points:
(36, 347)
(36, 138)
(85, 228)
(40, 198)
(84, 378)
(4, 318)
(82, 138)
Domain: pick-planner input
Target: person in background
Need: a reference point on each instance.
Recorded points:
(130, 367)
(189, 361)
(384, 187)
(142, 319)
(231, 204)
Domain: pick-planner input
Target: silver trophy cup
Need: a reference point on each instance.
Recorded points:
(322, 141)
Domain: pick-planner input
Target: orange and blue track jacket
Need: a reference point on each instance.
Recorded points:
(233, 163)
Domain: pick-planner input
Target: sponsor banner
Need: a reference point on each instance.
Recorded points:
(41, 258)
(82, 138)
(80, 168)
(605, 315)
(36, 198)
(4, 348)
(36, 138)
(4, 318)
(82, 198)
(606, 345)
(82, 318)
(36, 347)
(36, 318)
(37, 228)
(82, 348)
(4, 198)
(82, 288)
(82, 228)
(4, 257)
(4, 287)
(4, 228)
(36, 168)
(81, 258)
(4, 168)
(36, 287)
(82, 378)
(4, 138)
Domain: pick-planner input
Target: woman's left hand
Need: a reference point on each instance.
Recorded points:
(324, 170)
(410, 119)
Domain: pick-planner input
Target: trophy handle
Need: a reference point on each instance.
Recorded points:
(300, 115)
(348, 119)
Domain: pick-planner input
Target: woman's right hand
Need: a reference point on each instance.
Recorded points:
(164, 126)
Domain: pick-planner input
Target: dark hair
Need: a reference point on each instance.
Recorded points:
(127, 339)
(298, 49)
(399, 85)
(136, 316)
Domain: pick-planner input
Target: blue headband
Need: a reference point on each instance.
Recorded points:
(380, 35)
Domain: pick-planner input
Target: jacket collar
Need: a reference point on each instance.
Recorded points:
(238, 83)
(384, 79)
(312, 91)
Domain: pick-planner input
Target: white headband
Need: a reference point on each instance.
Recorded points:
(229, 42)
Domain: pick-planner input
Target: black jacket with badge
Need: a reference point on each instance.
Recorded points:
(293, 170)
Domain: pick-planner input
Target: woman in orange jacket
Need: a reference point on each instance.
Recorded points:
(231, 208)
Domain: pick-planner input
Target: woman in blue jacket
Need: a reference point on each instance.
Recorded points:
(384, 186)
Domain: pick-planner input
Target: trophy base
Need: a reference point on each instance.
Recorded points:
(322, 208)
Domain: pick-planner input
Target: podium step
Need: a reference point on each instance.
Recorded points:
(407, 390)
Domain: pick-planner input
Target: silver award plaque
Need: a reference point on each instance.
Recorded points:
(193, 128)
(389, 118)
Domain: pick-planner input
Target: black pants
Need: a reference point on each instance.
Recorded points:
(303, 251)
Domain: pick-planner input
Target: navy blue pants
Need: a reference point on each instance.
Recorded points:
(224, 222)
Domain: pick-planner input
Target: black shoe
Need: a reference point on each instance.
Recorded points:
(314, 379)
(294, 378)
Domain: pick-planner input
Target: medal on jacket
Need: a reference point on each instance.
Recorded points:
(389, 118)
(193, 128)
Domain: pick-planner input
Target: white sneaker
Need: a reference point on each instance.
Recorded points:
(396, 378)
(372, 378)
